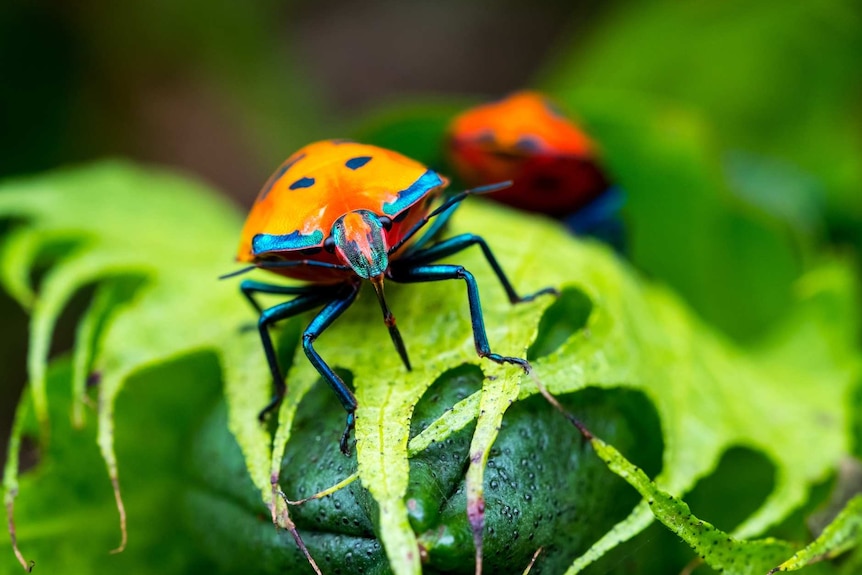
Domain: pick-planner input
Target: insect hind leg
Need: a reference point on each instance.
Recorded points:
(270, 316)
(461, 242)
(330, 312)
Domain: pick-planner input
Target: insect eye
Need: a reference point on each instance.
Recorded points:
(385, 222)
(329, 245)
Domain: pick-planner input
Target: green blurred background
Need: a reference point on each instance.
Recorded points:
(734, 127)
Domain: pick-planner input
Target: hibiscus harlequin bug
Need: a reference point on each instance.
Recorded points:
(338, 212)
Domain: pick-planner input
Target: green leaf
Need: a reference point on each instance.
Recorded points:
(66, 517)
(721, 551)
(175, 237)
(718, 549)
(845, 532)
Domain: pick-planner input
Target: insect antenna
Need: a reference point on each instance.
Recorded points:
(238, 272)
(284, 264)
(445, 206)
(389, 319)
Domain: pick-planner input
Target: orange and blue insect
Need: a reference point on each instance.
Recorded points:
(554, 165)
(337, 213)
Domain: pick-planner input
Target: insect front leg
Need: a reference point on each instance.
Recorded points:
(450, 272)
(461, 242)
(321, 321)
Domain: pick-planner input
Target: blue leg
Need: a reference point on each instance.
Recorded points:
(454, 245)
(268, 317)
(251, 287)
(321, 321)
(450, 272)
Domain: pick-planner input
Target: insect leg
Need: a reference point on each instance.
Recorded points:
(456, 244)
(450, 272)
(269, 316)
(251, 287)
(321, 321)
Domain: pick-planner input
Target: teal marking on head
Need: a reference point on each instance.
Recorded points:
(362, 247)
(417, 190)
(264, 243)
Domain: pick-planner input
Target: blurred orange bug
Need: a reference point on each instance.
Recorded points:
(554, 165)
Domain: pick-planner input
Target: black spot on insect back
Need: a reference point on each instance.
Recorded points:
(358, 162)
(302, 183)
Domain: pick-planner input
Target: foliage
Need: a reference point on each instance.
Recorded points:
(610, 328)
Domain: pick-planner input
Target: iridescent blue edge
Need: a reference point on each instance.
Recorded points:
(406, 198)
(263, 243)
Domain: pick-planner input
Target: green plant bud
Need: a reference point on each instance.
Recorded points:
(544, 487)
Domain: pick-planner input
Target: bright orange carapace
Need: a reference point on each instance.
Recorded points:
(299, 204)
